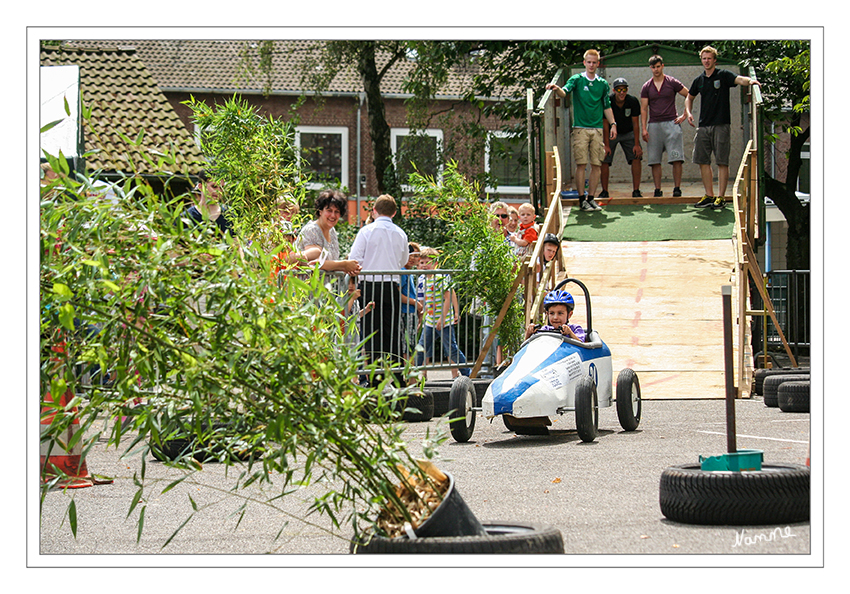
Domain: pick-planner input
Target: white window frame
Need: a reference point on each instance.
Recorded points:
(343, 132)
(501, 189)
(395, 133)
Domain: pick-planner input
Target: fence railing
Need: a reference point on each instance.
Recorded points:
(789, 292)
(393, 328)
(746, 198)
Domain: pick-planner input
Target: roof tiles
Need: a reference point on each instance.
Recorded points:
(217, 66)
(125, 100)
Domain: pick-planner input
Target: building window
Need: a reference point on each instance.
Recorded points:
(506, 163)
(422, 148)
(804, 181)
(323, 151)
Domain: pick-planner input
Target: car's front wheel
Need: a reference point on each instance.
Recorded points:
(628, 399)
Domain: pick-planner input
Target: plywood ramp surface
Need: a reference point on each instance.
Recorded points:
(658, 306)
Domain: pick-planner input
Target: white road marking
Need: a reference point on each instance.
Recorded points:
(755, 437)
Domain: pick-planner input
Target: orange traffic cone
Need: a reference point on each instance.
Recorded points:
(55, 459)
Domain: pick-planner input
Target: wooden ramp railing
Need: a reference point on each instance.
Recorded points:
(745, 198)
(534, 275)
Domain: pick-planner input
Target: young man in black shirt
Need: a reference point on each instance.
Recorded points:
(626, 110)
(713, 133)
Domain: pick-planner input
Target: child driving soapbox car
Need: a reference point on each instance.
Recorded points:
(553, 372)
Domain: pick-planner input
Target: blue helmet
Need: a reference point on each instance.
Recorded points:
(558, 296)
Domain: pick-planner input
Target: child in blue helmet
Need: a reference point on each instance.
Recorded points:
(558, 305)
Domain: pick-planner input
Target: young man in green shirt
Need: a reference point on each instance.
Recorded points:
(590, 103)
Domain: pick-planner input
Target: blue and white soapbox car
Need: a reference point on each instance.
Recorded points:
(550, 375)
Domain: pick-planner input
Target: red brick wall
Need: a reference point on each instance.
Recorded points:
(342, 111)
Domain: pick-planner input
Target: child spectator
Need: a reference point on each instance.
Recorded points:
(513, 219)
(527, 232)
(352, 314)
(440, 313)
(558, 305)
(411, 305)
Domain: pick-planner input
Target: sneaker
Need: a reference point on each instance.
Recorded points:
(604, 194)
(593, 203)
(677, 192)
(586, 205)
(705, 202)
(637, 194)
(718, 203)
(658, 193)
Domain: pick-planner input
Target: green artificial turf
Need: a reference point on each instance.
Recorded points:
(649, 222)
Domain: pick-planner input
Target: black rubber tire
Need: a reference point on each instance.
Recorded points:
(758, 358)
(419, 407)
(777, 494)
(628, 399)
(501, 537)
(587, 409)
(441, 400)
(480, 385)
(794, 396)
(461, 415)
(171, 449)
(772, 383)
(759, 376)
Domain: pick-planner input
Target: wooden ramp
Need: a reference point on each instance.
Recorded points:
(658, 306)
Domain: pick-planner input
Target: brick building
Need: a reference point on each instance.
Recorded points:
(337, 123)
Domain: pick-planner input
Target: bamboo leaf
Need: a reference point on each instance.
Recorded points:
(174, 484)
(50, 125)
(141, 524)
(136, 498)
(179, 528)
(72, 517)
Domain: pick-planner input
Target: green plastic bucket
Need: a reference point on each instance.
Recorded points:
(735, 462)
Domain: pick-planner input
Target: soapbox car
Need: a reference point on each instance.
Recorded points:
(550, 375)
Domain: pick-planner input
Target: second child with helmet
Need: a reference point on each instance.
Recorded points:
(559, 306)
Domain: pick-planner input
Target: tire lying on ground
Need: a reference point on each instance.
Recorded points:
(794, 396)
(772, 383)
(776, 494)
(501, 537)
(419, 407)
(440, 396)
(759, 375)
(480, 385)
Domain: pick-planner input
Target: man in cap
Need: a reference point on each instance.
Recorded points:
(626, 110)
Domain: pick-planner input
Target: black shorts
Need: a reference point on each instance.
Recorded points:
(627, 141)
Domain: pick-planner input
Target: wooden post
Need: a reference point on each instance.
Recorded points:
(731, 439)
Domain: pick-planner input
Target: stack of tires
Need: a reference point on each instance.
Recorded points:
(787, 387)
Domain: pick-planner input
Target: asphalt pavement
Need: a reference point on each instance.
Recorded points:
(602, 496)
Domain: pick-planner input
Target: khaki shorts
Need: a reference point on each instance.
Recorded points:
(588, 146)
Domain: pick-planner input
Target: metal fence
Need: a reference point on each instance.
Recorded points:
(789, 293)
(445, 333)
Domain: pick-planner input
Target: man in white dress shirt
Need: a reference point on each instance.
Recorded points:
(381, 246)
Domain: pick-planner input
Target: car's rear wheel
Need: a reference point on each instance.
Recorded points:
(587, 409)
(461, 415)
